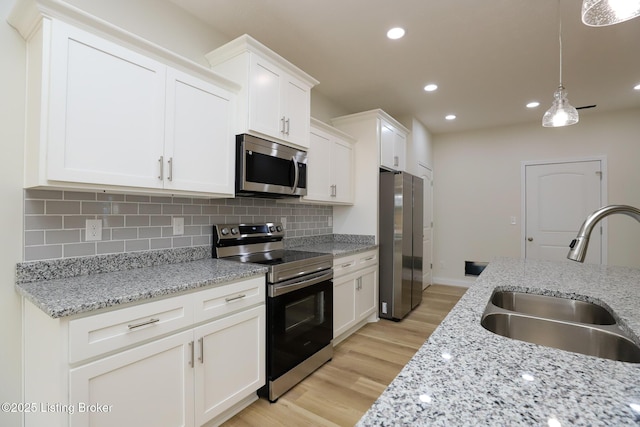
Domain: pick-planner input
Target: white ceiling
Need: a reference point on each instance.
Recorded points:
(489, 57)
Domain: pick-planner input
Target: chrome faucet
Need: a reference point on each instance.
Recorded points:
(578, 246)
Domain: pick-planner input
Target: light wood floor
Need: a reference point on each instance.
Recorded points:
(363, 365)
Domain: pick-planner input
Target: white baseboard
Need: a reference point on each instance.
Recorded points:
(467, 283)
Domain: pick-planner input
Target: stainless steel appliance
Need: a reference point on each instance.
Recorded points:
(401, 214)
(269, 169)
(299, 301)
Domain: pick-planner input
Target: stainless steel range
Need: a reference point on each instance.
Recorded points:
(299, 300)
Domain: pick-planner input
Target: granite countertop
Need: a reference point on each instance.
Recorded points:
(73, 295)
(466, 375)
(337, 249)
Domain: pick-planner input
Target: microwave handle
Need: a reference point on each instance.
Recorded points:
(296, 174)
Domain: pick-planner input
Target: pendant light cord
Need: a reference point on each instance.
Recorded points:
(560, 40)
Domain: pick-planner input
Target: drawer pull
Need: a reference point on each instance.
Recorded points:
(346, 265)
(147, 322)
(235, 298)
(370, 258)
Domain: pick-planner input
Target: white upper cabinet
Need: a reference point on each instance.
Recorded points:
(275, 99)
(393, 142)
(330, 165)
(105, 114)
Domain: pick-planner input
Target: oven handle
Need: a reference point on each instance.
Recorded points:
(295, 284)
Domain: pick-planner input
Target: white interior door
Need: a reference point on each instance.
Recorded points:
(558, 198)
(427, 225)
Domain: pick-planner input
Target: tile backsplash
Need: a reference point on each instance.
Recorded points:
(54, 221)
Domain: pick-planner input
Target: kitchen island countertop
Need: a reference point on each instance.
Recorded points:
(466, 375)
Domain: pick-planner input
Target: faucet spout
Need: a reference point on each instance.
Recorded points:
(578, 246)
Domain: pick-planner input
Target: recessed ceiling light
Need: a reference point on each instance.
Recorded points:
(395, 33)
(450, 117)
(533, 104)
(431, 87)
(637, 87)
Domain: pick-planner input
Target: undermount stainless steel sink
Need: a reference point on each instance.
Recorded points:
(588, 329)
(553, 307)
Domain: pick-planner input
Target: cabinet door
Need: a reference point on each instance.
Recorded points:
(106, 112)
(319, 182)
(199, 142)
(342, 166)
(265, 81)
(230, 362)
(387, 142)
(400, 150)
(367, 293)
(150, 385)
(344, 304)
(297, 110)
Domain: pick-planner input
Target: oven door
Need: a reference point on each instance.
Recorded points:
(299, 321)
(267, 167)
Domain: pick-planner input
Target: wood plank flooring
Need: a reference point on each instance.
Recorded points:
(363, 365)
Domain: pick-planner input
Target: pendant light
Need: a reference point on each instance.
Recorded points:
(561, 113)
(600, 13)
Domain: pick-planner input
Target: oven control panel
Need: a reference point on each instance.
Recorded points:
(267, 230)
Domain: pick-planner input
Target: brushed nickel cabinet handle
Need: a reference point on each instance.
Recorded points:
(146, 322)
(161, 161)
(170, 178)
(235, 298)
(201, 343)
(191, 352)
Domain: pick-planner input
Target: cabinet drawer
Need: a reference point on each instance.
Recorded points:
(102, 333)
(229, 298)
(351, 263)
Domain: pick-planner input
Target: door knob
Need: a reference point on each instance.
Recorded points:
(530, 239)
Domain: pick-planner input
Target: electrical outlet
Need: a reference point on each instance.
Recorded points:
(93, 230)
(384, 308)
(330, 221)
(178, 226)
(283, 220)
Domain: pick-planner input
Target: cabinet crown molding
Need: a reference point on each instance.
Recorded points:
(246, 43)
(27, 15)
(371, 114)
(318, 124)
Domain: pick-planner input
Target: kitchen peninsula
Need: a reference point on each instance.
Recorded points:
(466, 375)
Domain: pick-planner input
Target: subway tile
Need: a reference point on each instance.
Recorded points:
(124, 233)
(182, 200)
(37, 253)
(62, 236)
(163, 220)
(43, 194)
(167, 231)
(172, 209)
(96, 208)
(112, 221)
(34, 238)
(34, 207)
(76, 221)
(136, 245)
(209, 210)
(42, 222)
(225, 210)
(149, 208)
(164, 243)
(110, 247)
(77, 195)
(149, 232)
(192, 210)
(110, 197)
(181, 242)
(137, 221)
(120, 208)
(161, 199)
(136, 198)
(201, 240)
(192, 230)
(200, 220)
(53, 207)
(79, 249)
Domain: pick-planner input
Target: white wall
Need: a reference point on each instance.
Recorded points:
(12, 86)
(419, 145)
(477, 186)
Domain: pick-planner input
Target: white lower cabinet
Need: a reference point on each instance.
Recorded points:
(355, 293)
(157, 371)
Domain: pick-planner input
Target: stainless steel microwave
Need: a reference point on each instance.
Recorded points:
(268, 169)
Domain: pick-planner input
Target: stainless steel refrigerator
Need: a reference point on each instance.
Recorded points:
(400, 243)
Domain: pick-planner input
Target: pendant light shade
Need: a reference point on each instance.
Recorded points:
(561, 113)
(600, 13)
